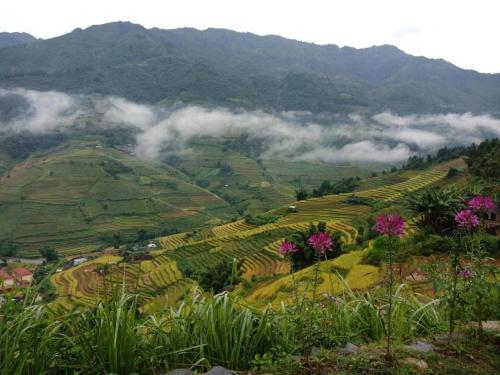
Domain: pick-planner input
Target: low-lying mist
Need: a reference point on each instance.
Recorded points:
(384, 137)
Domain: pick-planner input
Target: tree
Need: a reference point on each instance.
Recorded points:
(116, 241)
(49, 253)
(8, 249)
(484, 160)
(301, 194)
(219, 278)
(142, 235)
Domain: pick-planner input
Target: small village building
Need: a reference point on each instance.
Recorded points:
(152, 246)
(6, 280)
(78, 261)
(23, 276)
(292, 208)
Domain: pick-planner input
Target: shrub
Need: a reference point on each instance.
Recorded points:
(221, 277)
(375, 257)
(260, 219)
(428, 244)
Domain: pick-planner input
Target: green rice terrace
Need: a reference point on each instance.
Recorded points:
(76, 197)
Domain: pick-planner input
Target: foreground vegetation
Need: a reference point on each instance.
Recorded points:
(115, 337)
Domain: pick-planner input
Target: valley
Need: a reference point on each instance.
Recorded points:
(181, 198)
(256, 246)
(81, 194)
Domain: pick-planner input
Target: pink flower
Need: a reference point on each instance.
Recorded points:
(321, 242)
(482, 203)
(466, 219)
(465, 274)
(392, 225)
(287, 247)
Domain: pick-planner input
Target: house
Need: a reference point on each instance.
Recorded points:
(6, 280)
(23, 276)
(492, 221)
(78, 261)
(292, 209)
(152, 246)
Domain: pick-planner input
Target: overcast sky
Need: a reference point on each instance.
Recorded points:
(464, 32)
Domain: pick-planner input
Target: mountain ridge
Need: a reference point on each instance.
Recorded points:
(224, 67)
(12, 39)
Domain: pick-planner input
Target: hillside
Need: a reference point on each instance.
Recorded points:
(224, 67)
(263, 268)
(80, 194)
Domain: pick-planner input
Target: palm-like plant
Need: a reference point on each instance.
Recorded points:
(436, 208)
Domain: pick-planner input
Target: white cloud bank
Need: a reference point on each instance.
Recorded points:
(384, 137)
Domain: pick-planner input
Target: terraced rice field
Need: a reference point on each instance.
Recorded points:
(84, 285)
(358, 276)
(263, 263)
(231, 228)
(257, 246)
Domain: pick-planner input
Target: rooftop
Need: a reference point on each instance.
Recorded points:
(21, 271)
(4, 275)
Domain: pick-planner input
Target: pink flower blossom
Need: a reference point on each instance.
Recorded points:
(287, 247)
(392, 225)
(482, 203)
(321, 242)
(465, 274)
(466, 219)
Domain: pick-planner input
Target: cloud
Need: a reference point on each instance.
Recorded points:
(121, 111)
(430, 131)
(293, 135)
(365, 151)
(45, 111)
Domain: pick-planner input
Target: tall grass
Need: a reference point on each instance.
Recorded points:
(28, 337)
(215, 330)
(362, 316)
(108, 337)
(113, 336)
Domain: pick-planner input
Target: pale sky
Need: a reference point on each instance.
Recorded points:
(464, 32)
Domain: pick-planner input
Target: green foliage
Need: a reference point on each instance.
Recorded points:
(8, 249)
(20, 145)
(365, 225)
(49, 253)
(301, 194)
(375, 256)
(452, 172)
(225, 169)
(113, 337)
(260, 219)
(306, 255)
(427, 244)
(221, 277)
(484, 160)
(28, 337)
(114, 167)
(345, 185)
(436, 207)
(442, 155)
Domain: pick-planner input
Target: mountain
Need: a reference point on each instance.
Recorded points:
(13, 39)
(223, 67)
